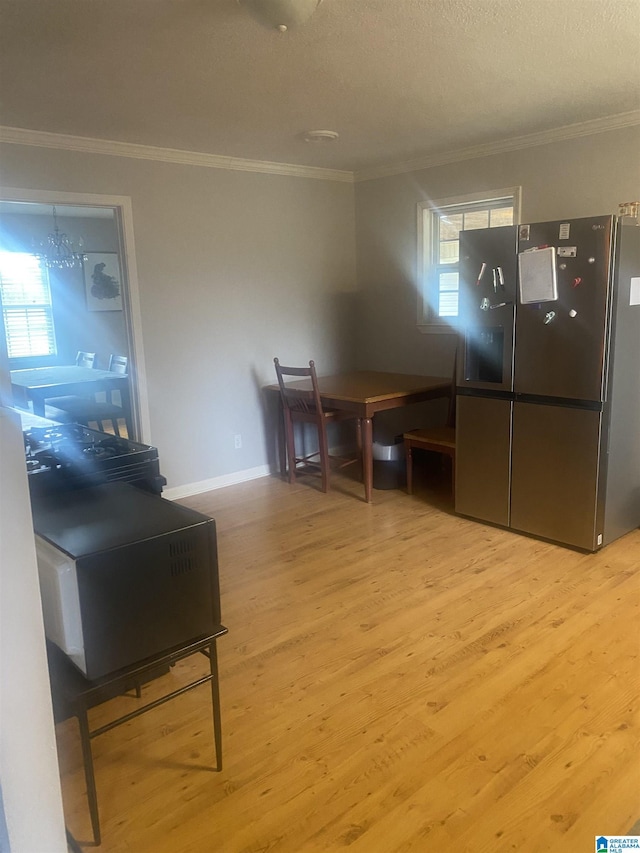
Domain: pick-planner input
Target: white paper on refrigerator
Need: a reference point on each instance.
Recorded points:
(538, 280)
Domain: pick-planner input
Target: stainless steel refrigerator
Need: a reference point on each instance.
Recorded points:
(548, 385)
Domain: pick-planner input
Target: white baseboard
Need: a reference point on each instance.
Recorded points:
(190, 489)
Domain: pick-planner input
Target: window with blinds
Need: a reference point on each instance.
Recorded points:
(440, 224)
(445, 229)
(26, 306)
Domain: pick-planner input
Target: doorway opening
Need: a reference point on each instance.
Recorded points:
(101, 228)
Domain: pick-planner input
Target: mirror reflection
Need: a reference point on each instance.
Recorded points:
(63, 287)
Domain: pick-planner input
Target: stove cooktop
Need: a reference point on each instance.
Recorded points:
(72, 455)
(65, 445)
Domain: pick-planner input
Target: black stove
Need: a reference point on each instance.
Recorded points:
(72, 456)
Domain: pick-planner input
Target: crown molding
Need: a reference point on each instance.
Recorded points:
(558, 134)
(44, 139)
(87, 145)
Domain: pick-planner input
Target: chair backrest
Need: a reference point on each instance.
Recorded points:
(86, 359)
(295, 399)
(118, 364)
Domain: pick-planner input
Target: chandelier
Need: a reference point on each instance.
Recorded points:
(59, 252)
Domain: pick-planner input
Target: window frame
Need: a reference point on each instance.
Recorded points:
(43, 307)
(428, 321)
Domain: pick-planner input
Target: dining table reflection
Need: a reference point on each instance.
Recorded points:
(33, 386)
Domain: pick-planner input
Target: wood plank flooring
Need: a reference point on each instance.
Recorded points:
(395, 678)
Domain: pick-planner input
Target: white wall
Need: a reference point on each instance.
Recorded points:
(29, 781)
(234, 268)
(28, 758)
(588, 176)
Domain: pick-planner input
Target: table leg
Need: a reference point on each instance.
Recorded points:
(215, 703)
(89, 775)
(20, 397)
(38, 403)
(367, 457)
(73, 845)
(282, 441)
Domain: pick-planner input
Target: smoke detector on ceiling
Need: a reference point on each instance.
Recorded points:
(281, 14)
(320, 136)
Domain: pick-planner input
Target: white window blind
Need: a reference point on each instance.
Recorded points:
(26, 306)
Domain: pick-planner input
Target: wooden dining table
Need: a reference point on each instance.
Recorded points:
(367, 392)
(38, 384)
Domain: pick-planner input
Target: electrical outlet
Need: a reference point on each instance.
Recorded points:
(237, 441)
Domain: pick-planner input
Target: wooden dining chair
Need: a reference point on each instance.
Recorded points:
(89, 410)
(439, 439)
(118, 363)
(86, 359)
(305, 406)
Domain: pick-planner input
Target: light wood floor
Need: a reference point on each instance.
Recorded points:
(395, 678)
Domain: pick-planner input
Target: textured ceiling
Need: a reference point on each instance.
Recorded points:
(397, 79)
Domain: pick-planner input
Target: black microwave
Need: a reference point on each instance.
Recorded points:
(124, 575)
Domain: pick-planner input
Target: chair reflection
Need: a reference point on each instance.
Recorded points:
(89, 410)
